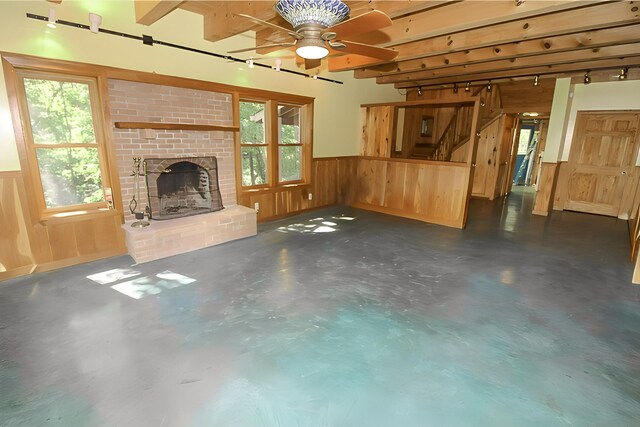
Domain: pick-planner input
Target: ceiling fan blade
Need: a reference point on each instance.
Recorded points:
(364, 23)
(264, 46)
(292, 33)
(382, 53)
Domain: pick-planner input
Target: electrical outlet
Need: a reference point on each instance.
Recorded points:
(256, 206)
(310, 196)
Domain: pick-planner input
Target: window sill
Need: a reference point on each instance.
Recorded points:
(77, 215)
(282, 187)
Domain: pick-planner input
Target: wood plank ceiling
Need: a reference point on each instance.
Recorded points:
(444, 42)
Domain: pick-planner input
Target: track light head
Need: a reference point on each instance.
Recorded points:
(587, 78)
(94, 22)
(278, 64)
(455, 88)
(624, 74)
(51, 21)
(536, 80)
(467, 88)
(489, 87)
(419, 91)
(250, 63)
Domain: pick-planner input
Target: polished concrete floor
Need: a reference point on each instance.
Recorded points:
(338, 317)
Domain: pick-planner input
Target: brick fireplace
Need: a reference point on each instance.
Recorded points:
(142, 102)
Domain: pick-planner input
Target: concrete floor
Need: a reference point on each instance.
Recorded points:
(331, 320)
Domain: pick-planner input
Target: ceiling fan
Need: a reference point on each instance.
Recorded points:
(321, 27)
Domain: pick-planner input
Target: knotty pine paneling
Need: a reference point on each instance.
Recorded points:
(427, 191)
(27, 247)
(378, 131)
(331, 181)
(546, 189)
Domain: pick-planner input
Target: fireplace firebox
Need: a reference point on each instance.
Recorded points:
(180, 187)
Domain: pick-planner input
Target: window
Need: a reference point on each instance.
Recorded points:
(289, 143)
(273, 146)
(253, 143)
(63, 142)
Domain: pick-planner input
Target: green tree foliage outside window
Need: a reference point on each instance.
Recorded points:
(65, 143)
(254, 148)
(290, 150)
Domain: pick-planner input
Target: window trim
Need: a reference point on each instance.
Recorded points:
(272, 101)
(31, 146)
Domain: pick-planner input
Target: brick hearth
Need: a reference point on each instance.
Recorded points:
(180, 235)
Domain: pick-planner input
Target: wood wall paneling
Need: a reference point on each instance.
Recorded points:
(15, 245)
(545, 195)
(433, 192)
(331, 183)
(27, 246)
(378, 130)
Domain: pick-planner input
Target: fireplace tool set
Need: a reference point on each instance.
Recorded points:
(133, 204)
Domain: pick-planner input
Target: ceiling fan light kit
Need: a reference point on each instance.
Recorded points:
(312, 49)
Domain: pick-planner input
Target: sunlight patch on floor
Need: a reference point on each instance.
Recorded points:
(316, 225)
(111, 276)
(144, 286)
(140, 286)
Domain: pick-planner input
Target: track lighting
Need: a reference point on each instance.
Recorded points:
(250, 63)
(536, 80)
(624, 73)
(278, 64)
(455, 88)
(467, 88)
(419, 91)
(51, 22)
(94, 22)
(489, 86)
(587, 78)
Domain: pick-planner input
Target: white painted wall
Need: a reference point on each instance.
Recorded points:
(557, 120)
(614, 95)
(337, 107)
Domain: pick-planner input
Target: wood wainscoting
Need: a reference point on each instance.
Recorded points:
(331, 183)
(435, 192)
(28, 247)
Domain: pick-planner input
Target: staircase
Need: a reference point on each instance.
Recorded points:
(457, 132)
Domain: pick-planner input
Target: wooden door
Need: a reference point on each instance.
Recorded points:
(603, 153)
(503, 185)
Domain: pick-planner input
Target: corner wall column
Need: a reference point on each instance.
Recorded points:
(553, 149)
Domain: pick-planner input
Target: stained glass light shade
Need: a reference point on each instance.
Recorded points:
(320, 12)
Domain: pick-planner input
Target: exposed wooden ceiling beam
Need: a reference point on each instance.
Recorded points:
(523, 72)
(150, 11)
(467, 15)
(564, 43)
(396, 8)
(588, 18)
(589, 54)
(221, 22)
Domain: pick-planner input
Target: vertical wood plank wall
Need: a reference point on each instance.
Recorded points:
(378, 131)
(434, 192)
(27, 246)
(546, 189)
(331, 180)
